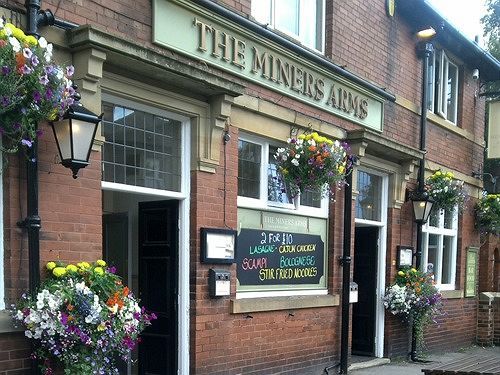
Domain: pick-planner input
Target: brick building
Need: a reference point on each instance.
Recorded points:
(196, 97)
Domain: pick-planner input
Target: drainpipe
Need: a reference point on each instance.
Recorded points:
(345, 262)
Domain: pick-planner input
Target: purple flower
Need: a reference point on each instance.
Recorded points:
(64, 318)
(49, 69)
(37, 96)
(44, 80)
(112, 269)
(17, 125)
(5, 70)
(49, 94)
(70, 70)
(34, 60)
(5, 101)
(26, 69)
(26, 142)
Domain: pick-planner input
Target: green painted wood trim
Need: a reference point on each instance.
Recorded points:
(249, 305)
(452, 294)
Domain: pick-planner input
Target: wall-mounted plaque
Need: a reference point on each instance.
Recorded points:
(218, 245)
(471, 266)
(404, 256)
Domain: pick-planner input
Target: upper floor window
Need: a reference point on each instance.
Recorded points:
(260, 184)
(440, 247)
(443, 96)
(302, 19)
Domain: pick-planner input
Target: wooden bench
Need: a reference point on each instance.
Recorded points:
(473, 365)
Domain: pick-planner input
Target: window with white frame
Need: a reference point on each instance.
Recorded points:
(443, 85)
(142, 148)
(440, 247)
(261, 186)
(302, 19)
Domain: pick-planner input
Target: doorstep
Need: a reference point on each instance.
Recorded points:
(369, 363)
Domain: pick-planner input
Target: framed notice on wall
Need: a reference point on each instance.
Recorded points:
(471, 267)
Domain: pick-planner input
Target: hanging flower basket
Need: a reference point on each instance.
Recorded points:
(414, 298)
(32, 88)
(314, 163)
(488, 214)
(446, 191)
(82, 318)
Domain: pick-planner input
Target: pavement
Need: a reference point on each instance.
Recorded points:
(402, 366)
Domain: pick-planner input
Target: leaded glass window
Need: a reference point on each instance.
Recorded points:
(141, 148)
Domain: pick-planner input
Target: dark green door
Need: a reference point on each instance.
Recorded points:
(158, 249)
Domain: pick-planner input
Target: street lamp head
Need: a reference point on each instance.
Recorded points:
(422, 206)
(75, 134)
(426, 34)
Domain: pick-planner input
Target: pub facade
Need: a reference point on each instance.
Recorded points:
(183, 194)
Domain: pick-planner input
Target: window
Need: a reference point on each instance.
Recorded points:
(261, 186)
(141, 149)
(443, 84)
(302, 19)
(440, 247)
(368, 201)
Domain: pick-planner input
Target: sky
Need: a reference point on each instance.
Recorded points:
(463, 14)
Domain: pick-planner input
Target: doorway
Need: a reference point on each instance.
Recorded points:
(141, 239)
(365, 275)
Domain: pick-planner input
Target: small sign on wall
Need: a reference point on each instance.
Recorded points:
(404, 256)
(471, 267)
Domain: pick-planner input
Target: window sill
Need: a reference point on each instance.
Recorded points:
(249, 305)
(452, 294)
(6, 324)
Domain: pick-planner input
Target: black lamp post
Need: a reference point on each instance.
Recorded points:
(422, 203)
(75, 134)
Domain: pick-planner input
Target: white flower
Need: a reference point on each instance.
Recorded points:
(42, 42)
(295, 162)
(48, 52)
(16, 46)
(1, 23)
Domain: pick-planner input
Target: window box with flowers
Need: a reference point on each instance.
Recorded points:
(414, 298)
(82, 318)
(32, 87)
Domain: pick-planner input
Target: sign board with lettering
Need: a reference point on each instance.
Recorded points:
(275, 258)
(493, 146)
(471, 271)
(192, 30)
(278, 251)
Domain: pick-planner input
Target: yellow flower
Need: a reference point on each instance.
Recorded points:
(51, 266)
(18, 34)
(329, 142)
(301, 136)
(71, 268)
(101, 327)
(100, 263)
(53, 115)
(449, 174)
(341, 169)
(413, 270)
(284, 171)
(401, 273)
(99, 271)
(438, 173)
(31, 40)
(83, 265)
(59, 271)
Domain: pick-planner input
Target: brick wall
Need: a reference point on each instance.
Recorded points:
(71, 226)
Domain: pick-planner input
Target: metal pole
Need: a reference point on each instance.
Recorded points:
(33, 221)
(427, 52)
(345, 262)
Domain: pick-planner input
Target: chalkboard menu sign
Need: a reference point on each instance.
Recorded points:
(278, 258)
